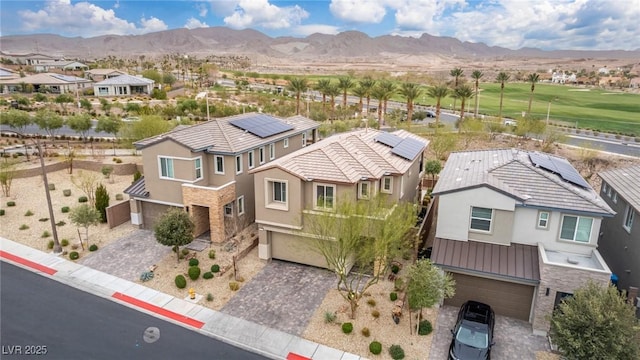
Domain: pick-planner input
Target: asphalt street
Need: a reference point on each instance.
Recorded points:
(42, 318)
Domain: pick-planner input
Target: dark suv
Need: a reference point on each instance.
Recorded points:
(473, 333)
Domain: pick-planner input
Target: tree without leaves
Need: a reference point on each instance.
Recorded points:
(174, 228)
(411, 91)
(87, 182)
(533, 79)
(477, 75)
(298, 85)
(7, 173)
(502, 78)
(81, 124)
(427, 285)
(596, 323)
(84, 216)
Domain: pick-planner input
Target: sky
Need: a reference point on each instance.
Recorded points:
(513, 24)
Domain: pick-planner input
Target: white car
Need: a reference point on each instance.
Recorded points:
(510, 122)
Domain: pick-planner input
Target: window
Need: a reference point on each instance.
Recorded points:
(279, 192)
(628, 218)
(238, 164)
(324, 197)
(219, 160)
(228, 209)
(198, 165)
(261, 155)
(481, 218)
(543, 219)
(576, 228)
(615, 197)
(604, 187)
(166, 167)
(285, 143)
(103, 90)
(304, 139)
(609, 191)
(250, 159)
(272, 151)
(241, 205)
(364, 189)
(387, 184)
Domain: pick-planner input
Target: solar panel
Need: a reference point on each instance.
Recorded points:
(388, 139)
(261, 125)
(408, 148)
(66, 77)
(558, 166)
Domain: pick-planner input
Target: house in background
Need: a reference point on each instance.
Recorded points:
(46, 83)
(205, 169)
(102, 74)
(620, 240)
(8, 74)
(357, 165)
(30, 59)
(123, 85)
(59, 65)
(518, 230)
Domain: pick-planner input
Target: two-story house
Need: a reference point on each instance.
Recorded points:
(518, 230)
(620, 240)
(205, 169)
(356, 165)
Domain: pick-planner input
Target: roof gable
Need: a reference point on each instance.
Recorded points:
(626, 182)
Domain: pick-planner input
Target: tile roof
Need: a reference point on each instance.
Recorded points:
(48, 79)
(626, 182)
(125, 79)
(220, 137)
(511, 172)
(104, 71)
(346, 158)
(137, 189)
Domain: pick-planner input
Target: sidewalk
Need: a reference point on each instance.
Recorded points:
(256, 338)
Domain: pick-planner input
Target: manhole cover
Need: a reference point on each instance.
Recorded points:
(151, 335)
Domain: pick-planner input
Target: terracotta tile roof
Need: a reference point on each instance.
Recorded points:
(511, 172)
(626, 182)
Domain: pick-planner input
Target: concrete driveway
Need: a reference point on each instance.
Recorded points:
(513, 338)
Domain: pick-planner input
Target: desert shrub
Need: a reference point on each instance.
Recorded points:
(395, 268)
(347, 328)
(43, 219)
(215, 268)
(329, 317)
(185, 252)
(425, 327)
(393, 296)
(194, 272)
(119, 197)
(371, 302)
(207, 275)
(136, 176)
(212, 254)
(1, 212)
(65, 209)
(239, 278)
(180, 281)
(194, 262)
(83, 199)
(64, 242)
(118, 161)
(24, 227)
(74, 255)
(375, 347)
(28, 213)
(365, 332)
(50, 244)
(375, 313)
(209, 297)
(66, 192)
(102, 201)
(396, 352)
(146, 276)
(52, 187)
(11, 203)
(398, 284)
(93, 247)
(45, 234)
(61, 223)
(75, 247)
(234, 286)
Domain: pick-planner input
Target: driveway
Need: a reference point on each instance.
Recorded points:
(513, 338)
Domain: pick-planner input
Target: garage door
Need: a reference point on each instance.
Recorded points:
(506, 298)
(295, 249)
(151, 212)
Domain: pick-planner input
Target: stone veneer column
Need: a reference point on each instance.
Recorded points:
(214, 199)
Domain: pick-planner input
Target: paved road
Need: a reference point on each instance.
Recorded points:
(630, 148)
(72, 324)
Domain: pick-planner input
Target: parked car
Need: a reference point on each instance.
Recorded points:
(431, 114)
(473, 333)
(510, 122)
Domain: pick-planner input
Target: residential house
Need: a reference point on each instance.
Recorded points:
(102, 74)
(620, 240)
(561, 77)
(46, 82)
(518, 230)
(123, 85)
(29, 59)
(8, 74)
(634, 83)
(205, 169)
(60, 65)
(356, 165)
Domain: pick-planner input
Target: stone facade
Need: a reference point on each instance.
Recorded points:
(206, 207)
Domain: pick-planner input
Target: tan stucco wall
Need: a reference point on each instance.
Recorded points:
(167, 190)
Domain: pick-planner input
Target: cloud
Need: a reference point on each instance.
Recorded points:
(306, 30)
(202, 9)
(152, 25)
(193, 23)
(359, 11)
(260, 13)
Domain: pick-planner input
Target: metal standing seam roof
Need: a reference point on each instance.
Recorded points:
(220, 137)
(511, 172)
(346, 158)
(125, 79)
(137, 189)
(626, 182)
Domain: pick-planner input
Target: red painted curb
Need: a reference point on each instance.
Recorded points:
(29, 263)
(158, 310)
(293, 356)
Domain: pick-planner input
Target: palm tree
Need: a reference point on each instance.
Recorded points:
(332, 91)
(367, 84)
(476, 75)
(321, 87)
(389, 89)
(462, 92)
(378, 93)
(438, 92)
(410, 91)
(456, 73)
(345, 83)
(298, 85)
(502, 77)
(533, 79)
(360, 92)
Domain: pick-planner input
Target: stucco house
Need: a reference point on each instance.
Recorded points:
(60, 65)
(357, 165)
(102, 74)
(518, 230)
(205, 169)
(46, 82)
(123, 85)
(620, 240)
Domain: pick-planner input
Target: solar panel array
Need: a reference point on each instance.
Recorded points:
(261, 125)
(388, 139)
(406, 148)
(66, 77)
(558, 166)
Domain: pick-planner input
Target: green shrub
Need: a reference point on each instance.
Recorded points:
(375, 347)
(181, 282)
(28, 213)
(215, 268)
(11, 203)
(185, 251)
(395, 268)
(52, 187)
(365, 332)
(136, 176)
(425, 327)
(329, 317)
(65, 209)
(396, 352)
(50, 244)
(146, 276)
(209, 297)
(45, 234)
(194, 272)
(1, 212)
(74, 255)
(93, 247)
(24, 227)
(194, 262)
(375, 313)
(64, 242)
(207, 275)
(371, 302)
(83, 199)
(212, 254)
(347, 328)
(66, 192)
(102, 202)
(234, 286)
(61, 223)
(399, 284)
(393, 296)
(43, 219)
(119, 197)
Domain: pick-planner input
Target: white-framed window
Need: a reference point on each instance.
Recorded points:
(240, 202)
(576, 228)
(615, 197)
(250, 159)
(272, 151)
(228, 209)
(103, 90)
(364, 190)
(387, 185)
(219, 164)
(198, 167)
(276, 196)
(285, 143)
(629, 213)
(604, 187)
(481, 219)
(609, 191)
(166, 168)
(238, 164)
(304, 139)
(543, 220)
(325, 197)
(261, 155)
